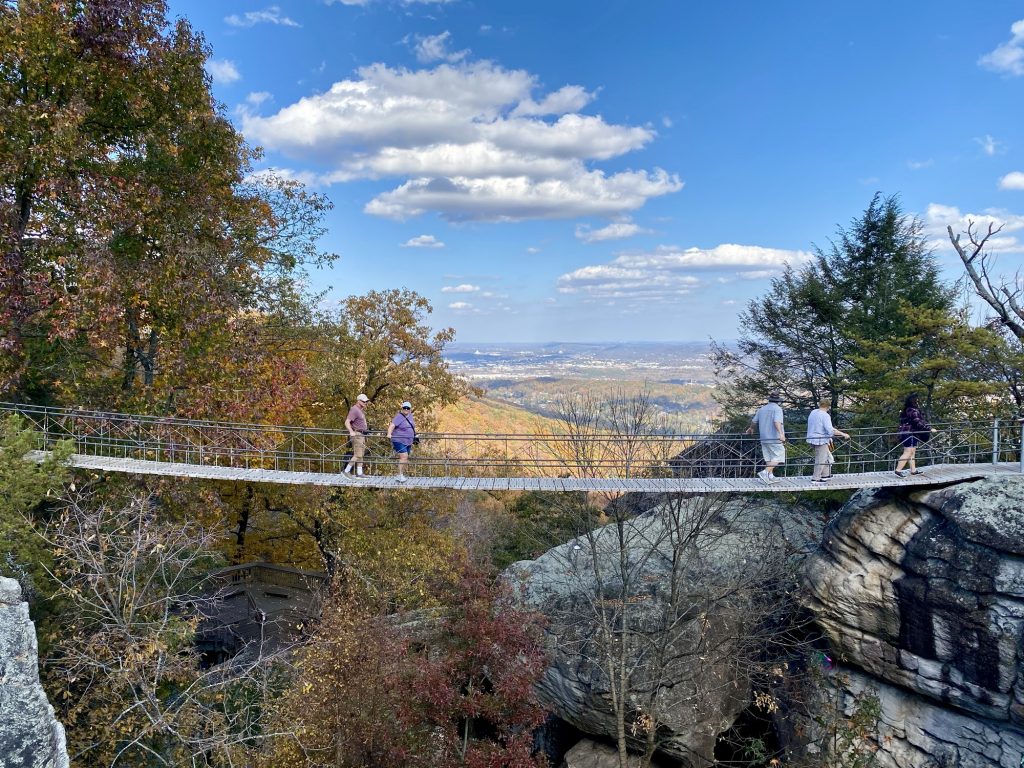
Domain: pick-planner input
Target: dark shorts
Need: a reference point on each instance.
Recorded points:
(401, 447)
(909, 441)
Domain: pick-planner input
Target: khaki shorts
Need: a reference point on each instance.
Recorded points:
(774, 453)
(358, 446)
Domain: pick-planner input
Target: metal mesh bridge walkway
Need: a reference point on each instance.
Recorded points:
(571, 460)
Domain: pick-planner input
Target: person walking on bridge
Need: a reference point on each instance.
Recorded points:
(914, 431)
(402, 431)
(819, 435)
(772, 433)
(355, 423)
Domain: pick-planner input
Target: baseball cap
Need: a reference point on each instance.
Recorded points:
(363, 399)
(407, 404)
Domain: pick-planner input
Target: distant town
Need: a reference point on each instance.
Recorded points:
(494, 364)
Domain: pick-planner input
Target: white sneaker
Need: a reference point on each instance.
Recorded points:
(763, 474)
(400, 478)
(772, 479)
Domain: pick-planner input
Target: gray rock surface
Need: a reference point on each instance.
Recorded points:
(697, 686)
(924, 593)
(591, 754)
(914, 732)
(30, 736)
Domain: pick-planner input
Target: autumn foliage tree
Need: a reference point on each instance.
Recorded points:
(380, 344)
(137, 250)
(444, 688)
(124, 671)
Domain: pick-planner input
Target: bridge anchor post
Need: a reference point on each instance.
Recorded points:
(995, 441)
(1020, 421)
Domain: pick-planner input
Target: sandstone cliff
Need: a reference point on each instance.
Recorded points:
(922, 595)
(30, 736)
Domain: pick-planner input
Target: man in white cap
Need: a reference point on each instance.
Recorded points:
(355, 423)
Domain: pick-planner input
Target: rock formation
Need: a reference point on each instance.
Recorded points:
(592, 754)
(641, 586)
(922, 594)
(30, 736)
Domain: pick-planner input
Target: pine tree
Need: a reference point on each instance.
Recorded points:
(813, 333)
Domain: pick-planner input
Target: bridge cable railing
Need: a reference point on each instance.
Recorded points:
(568, 454)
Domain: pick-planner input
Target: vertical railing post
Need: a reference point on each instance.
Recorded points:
(995, 441)
(1021, 445)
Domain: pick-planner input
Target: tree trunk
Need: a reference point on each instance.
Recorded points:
(244, 513)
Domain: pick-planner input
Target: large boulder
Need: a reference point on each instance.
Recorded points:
(683, 603)
(30, 736)
(924, 592)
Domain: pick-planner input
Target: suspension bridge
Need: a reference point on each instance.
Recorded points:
(568, 460)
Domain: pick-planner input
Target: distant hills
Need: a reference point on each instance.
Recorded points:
(526, 383)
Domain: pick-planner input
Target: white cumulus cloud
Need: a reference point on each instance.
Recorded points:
(258, 97)
(463, 288)
(271, 15)
(570, 98)
(587, 193)
(1008, 58)
(435, 48)
(467, 140)
(223, 71)
(617, 230)
(938, 217)
(666, 272)
(423, 241)
(460, 306)
(1012, 180)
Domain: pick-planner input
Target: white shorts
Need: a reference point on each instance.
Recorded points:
(774, 453)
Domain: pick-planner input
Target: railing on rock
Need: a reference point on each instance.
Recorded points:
(555, 454)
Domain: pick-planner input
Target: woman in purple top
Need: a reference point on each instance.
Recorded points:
(402, 431)
(914, 430)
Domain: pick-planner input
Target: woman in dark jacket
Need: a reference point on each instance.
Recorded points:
(914, 430)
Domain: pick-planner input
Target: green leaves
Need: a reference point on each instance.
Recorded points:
(137, 248)
(24, 484)
(867, 321)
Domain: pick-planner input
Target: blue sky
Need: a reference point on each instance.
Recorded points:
(620, 171)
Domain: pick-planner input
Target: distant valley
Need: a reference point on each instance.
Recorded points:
(522, 382)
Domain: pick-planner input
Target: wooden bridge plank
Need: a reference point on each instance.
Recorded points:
(935, 474)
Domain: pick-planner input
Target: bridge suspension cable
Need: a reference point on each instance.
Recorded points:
(569, 459)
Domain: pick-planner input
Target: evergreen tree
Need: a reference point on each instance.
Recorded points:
(810, 335)
(879, 264)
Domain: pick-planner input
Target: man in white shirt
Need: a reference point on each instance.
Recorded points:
(819, 434)
(770, 429)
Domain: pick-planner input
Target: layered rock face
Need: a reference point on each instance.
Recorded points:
(923, 594)
(30, 736)
(640, 588)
